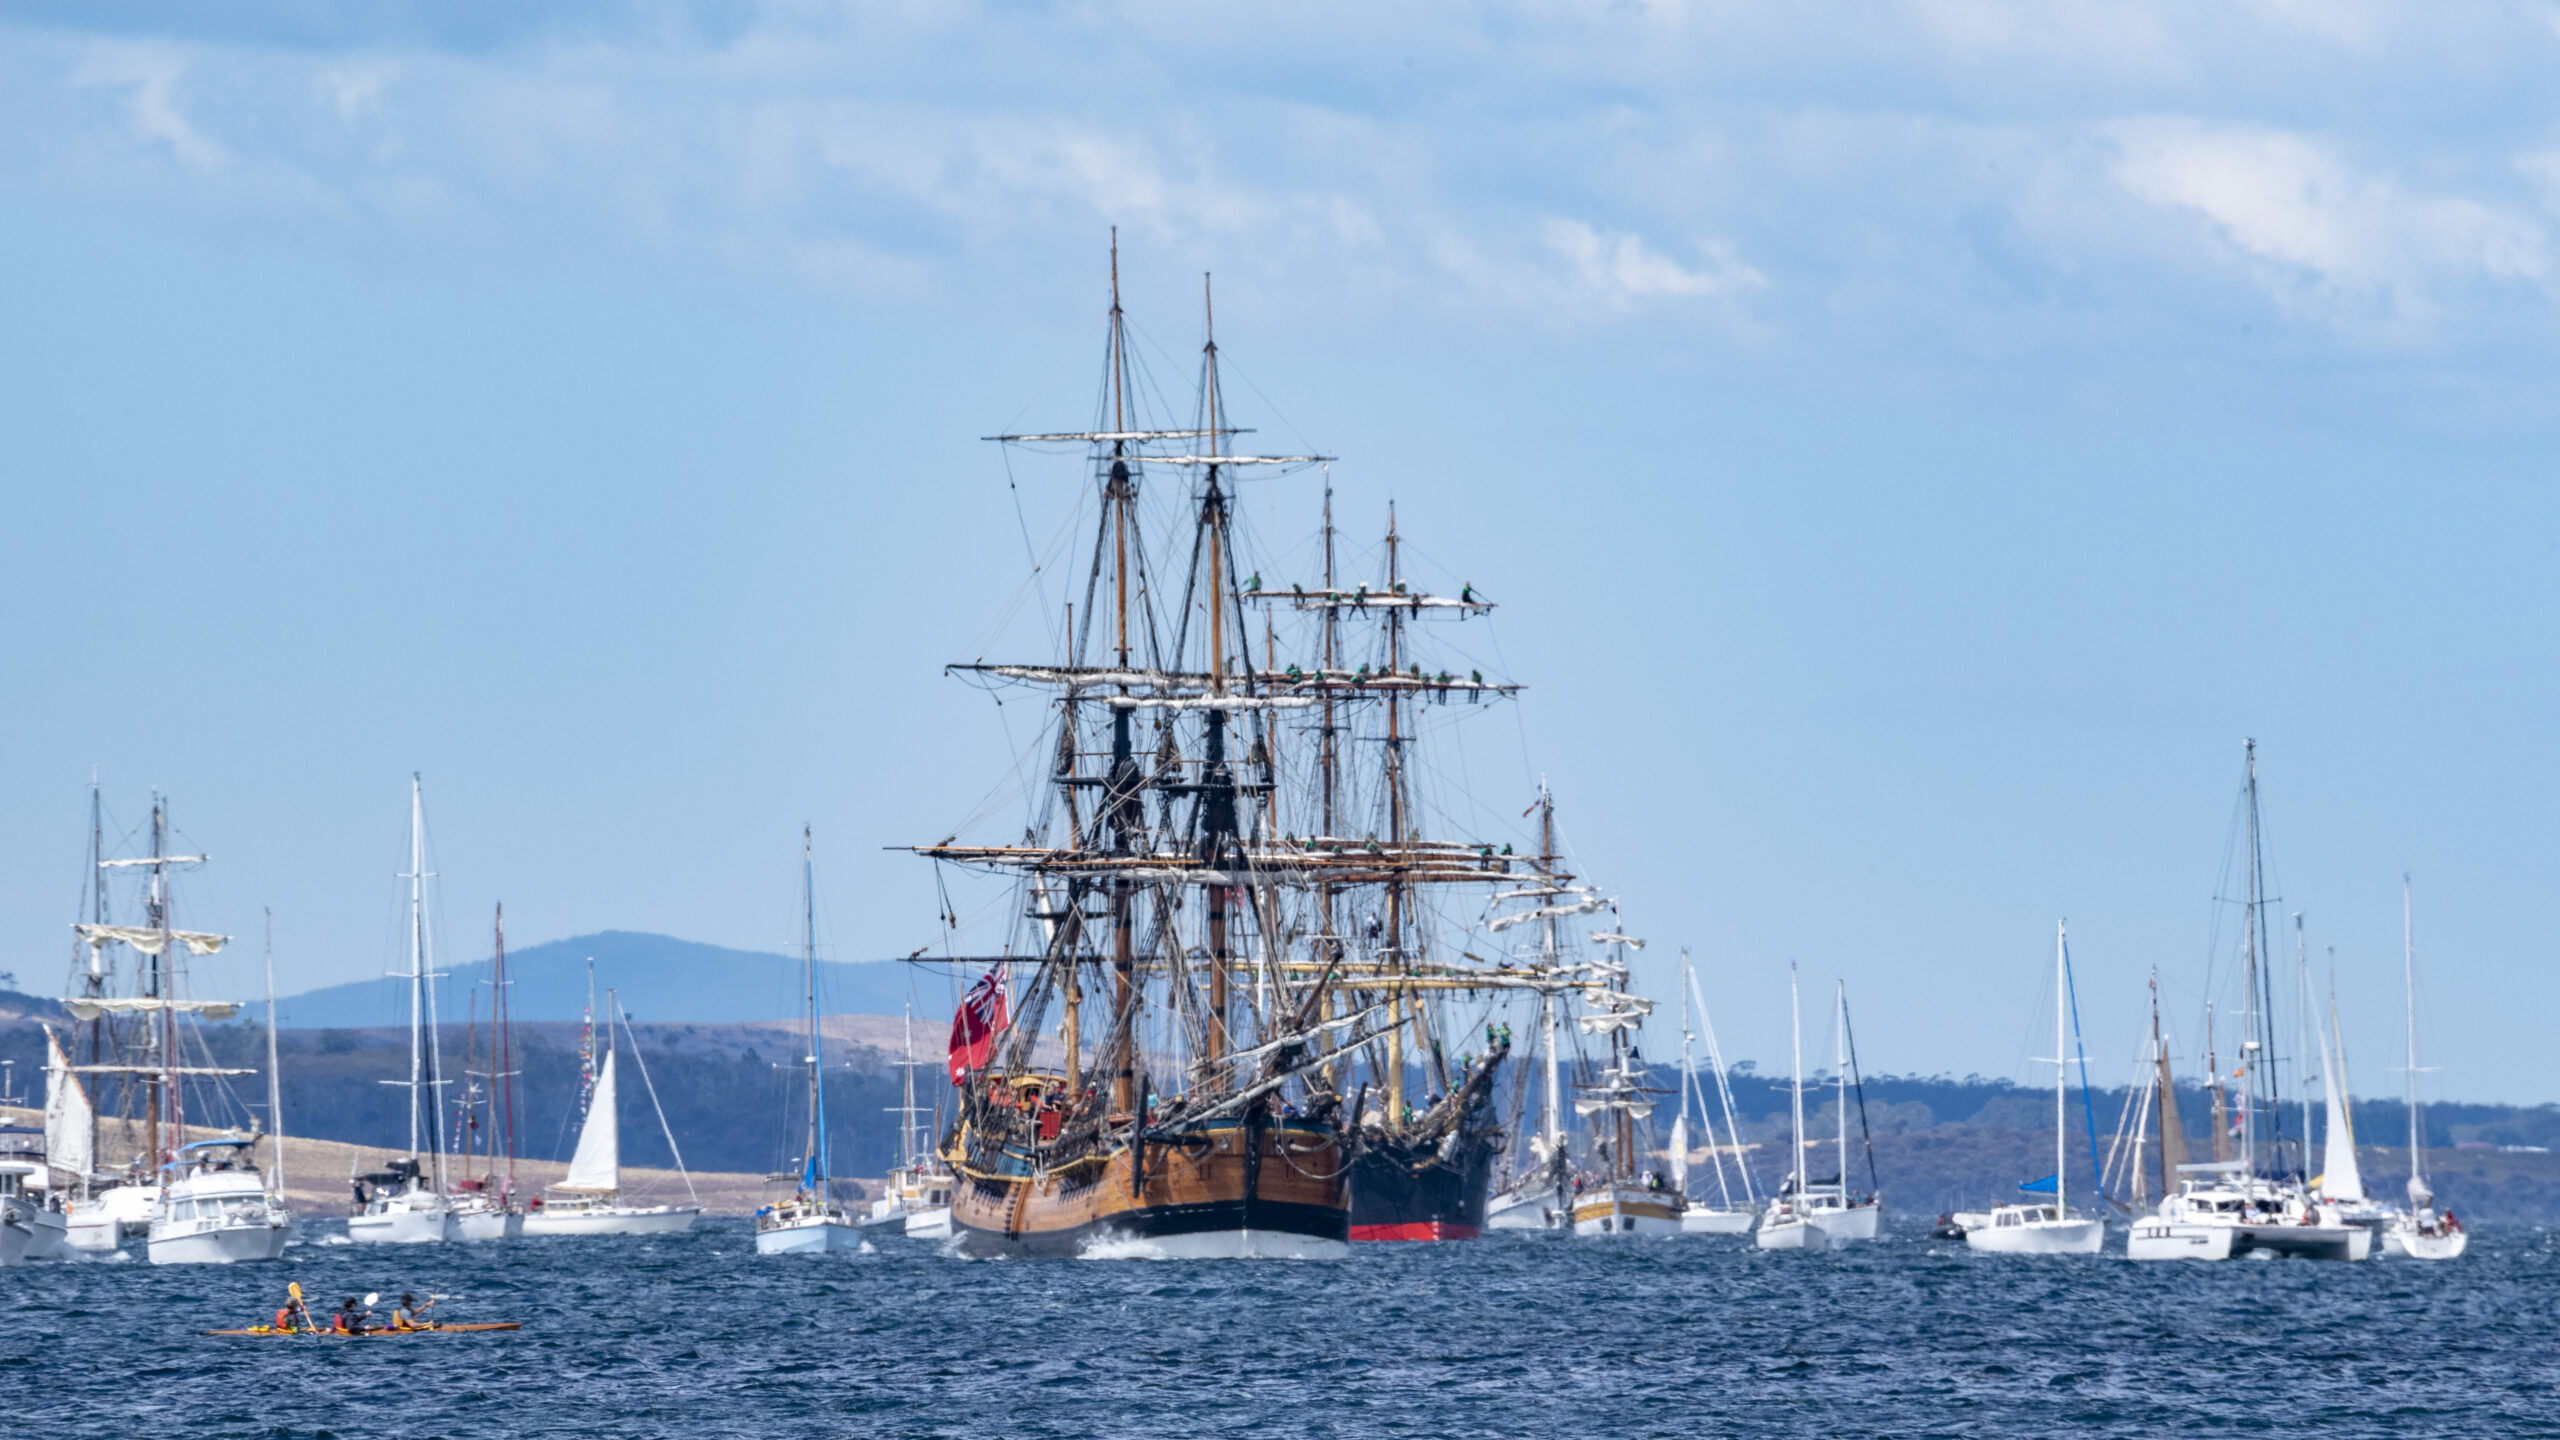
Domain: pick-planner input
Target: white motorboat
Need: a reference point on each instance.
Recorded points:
(1811, 1214)
(218, 1210)
(32, 1226)
(2421, 1232)
(812, 1221)
(1729, 1215)
(101, 1223)
(588, 1201)
(400, 1205)
(2038, 1228)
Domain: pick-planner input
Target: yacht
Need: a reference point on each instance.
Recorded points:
(811, 1222)
(405, 1202)
(588, 1200)
(2041, 1228)
(1811, 1214)
(218, 1210)
(2421, 1232)
(32, 1226)
(400, 1205)
(917, 1199)
(1728, 1215)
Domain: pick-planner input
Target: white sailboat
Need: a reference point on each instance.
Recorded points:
(1819, 1214)
(811, 1221)
(917, 1202)
(2421, 1232)
(484, 1206)
(404, 1203)
(1726, 1216)
(588, 1200)
(2039, 1228)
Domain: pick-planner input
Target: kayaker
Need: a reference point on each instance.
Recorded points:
(408, 1316)
(349, 1320)
(295, 1317)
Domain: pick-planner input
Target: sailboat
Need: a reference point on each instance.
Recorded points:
(2228, 1206)
(1538, 1193)
(484, 1205)
(1620, 1199)
(1814, 1214)
(2421, 1232)
(1726, 1216)
(2040, 1228)
(916, 1200)
(404, 1203)
(811, 1221)
(588, 1200)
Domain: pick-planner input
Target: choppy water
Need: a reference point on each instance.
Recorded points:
(696, 1336)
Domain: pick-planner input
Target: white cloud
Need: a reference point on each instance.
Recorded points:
(1621, 272)
(152, 74)
(354, 90)
(2313, 223)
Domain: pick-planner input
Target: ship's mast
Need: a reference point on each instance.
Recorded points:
(1795, 1030)
(2419, 1192)
(813, 1175)
(1547, 998)
(501, 1026)
(166, 1102)
(1217, 822)
(2061, 1114)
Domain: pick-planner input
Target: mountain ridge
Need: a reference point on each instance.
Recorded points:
(658, 978)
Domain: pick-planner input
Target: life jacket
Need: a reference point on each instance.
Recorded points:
(343, 1323)
(284, 1318)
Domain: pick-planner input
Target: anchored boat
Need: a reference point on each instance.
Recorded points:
(812, 1221)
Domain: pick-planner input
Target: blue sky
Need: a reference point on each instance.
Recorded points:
(1913, 444)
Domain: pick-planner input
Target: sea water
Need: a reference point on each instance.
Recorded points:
(696, 1336)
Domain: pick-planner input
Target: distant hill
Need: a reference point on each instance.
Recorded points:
(659, 977)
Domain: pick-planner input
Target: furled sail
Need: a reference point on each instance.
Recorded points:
(90, 1007)
(69, 1122)
(150, 941)
(2173, 1134)
(598, 1164)
(2339, 1179)
(1680, 1153)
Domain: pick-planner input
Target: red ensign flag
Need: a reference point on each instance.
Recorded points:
(974, 1029)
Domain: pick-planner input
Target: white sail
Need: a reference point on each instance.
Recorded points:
(91, 1007)
(598, 1164)
(68, 1119)
(1680, 1151)
(2340, 1180)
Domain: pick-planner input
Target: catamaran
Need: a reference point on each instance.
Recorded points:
(405, 1202)
(1814, 1214)
(811, 1221)
(588, 1200)
(2230, 1206)
(2039, 1228)
(2421, 1232)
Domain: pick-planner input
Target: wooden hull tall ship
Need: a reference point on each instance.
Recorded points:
(1215, 960)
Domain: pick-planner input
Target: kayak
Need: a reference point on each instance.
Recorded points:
(376, 1334)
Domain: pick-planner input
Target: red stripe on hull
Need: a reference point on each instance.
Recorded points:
(1416, 1230)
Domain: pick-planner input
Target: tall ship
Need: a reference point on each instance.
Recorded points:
(193, 1202)
(1227, 987)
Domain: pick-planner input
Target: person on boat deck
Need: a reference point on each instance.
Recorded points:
(410, 1315)
(349, 1320)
